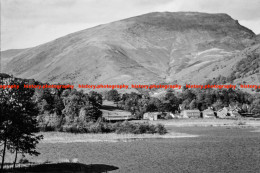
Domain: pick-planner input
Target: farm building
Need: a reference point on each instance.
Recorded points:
(166, 115)
(182, 115)
(208, 113)
(191, 113)
(222, 113)
(151, 116)
(117, 118)
(178, 116)
(233, 111)
(228, 112)
(118, 115)
(170, 114)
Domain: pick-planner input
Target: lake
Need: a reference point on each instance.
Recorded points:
(217, 149)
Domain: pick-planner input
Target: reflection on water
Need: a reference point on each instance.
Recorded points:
(130, 139)
(67, 167)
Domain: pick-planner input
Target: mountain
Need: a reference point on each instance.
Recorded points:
(257, 38)
(159, 47)
(7, 56)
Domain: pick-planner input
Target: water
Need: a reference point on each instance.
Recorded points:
(217, 149)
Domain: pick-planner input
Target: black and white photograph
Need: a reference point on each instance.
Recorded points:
(130, 86)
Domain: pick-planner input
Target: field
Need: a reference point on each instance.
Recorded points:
(225, 148)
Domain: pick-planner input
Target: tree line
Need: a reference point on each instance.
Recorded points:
(25, 111)
(174, 102)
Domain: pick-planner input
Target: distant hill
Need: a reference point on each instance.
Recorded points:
(160, 47)
(258, 38)
(8, 55)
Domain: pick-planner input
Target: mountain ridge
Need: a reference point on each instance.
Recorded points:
(151, 48)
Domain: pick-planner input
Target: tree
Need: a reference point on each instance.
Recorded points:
(151, 108)
(218, 105)
(256, 106)
(18, 120)
(95, 98)
(73, 103)
(58, 105)
(82, 107)
(154, 105)
(244, 108)
(22, 139)
(170, 102)
(193, 104)
(113, 95)
(89, 113)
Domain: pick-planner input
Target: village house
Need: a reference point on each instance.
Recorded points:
(191, 113)
(222, 113)
(208, 113)
(170, 114)
(118, 116)
(226, 112)
(233, 111)
(153, 116)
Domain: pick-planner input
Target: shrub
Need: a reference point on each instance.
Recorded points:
(140, 128)
(94, 128)
(70, 129)
(44, 128)
(145, 128)
(161, 129)
(125, 127)
(119, 128)
(107, 128)
(23, 160)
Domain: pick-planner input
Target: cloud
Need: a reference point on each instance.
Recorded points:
(26, 23)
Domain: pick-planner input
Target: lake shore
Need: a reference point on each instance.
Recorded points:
(199, 122)
(63, 137)
(212, 148)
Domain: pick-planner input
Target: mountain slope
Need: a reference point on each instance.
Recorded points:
(151, 48)
(257, 38)
(7, 56)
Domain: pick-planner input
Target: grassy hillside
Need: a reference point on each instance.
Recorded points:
(151, 48)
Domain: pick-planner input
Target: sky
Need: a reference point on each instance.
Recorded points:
(28, 23)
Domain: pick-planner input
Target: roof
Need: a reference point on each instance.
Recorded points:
(118, 117)
(208, 110)
(152, 112)
(223, 109)
(234, 107)
(195, 110)
(235, 113)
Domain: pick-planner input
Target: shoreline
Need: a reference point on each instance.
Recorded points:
(64, 137)
(243, 122)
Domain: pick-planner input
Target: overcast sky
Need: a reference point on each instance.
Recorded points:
(27, 23)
